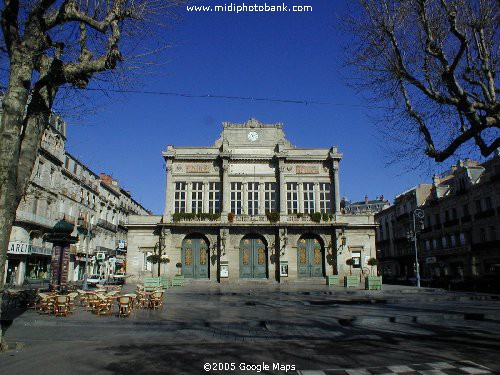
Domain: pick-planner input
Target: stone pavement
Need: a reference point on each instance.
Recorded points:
(291, 328)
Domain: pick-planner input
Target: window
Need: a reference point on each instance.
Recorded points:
(180, 197)
(482, 235)
(437, 219)
(427, 245)
(75, 168)
(270, 196)
(453, 240)
(325, 203)
(236, 195)
(197, 197)
(214, 197)
(465, 210)
(253, 198)
(292, 197)
(446, 216)
(434, 244)
(39, 170)
(487, 203)
(462, 239)
(444, 243)
(453, 214)
(478, 206)
(493, 233)
(356, 259)
(51, 176)
(308, 198)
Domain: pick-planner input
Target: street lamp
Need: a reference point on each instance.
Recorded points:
(86, 233)
(412, 236)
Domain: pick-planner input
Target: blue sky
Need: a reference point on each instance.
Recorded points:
(264, 55)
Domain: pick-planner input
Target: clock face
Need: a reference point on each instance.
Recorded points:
(253, 136)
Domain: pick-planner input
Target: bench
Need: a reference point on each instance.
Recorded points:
(151, 283)
(165, 282)
(178, 280)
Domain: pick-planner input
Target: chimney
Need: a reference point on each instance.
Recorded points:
(366, 199)
(382, 197)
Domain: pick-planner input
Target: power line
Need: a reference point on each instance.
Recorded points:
(229, 97)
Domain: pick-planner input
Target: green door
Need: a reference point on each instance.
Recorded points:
(195, 258)
(309, 258)
(253, 258)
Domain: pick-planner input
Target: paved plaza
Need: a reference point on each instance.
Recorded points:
(267, 329)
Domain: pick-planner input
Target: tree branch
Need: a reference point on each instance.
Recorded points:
(10, 26)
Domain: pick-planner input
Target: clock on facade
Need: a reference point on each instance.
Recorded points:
(253, 136)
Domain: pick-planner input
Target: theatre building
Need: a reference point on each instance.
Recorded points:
(252, 206)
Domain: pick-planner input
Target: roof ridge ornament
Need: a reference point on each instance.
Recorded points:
(252, 123)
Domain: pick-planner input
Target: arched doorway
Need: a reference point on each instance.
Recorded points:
(195, 257)
(253, 257)
(310, 256)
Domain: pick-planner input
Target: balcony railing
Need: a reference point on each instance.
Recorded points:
(31, 218)
(106, 225)
(485, 214)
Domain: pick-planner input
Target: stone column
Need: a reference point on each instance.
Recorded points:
(282, 188)
(244, 198)
(169, 193)
(317, 207)
(262, 199)
(189, 189)
(336, 197)
(205, 197)
(301, 196)
(226, 189)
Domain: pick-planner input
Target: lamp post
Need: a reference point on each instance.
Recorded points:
(86, 233)
(412, 236)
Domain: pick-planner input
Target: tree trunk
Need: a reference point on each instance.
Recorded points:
(22, 126)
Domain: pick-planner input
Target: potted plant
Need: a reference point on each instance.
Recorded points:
(179, 267)
(178, 280)
(230, 217)
(373, 281)
(350, 281)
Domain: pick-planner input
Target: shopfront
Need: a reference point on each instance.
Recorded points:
(25, 261)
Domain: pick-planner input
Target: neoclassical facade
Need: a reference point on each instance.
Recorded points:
(252, 206)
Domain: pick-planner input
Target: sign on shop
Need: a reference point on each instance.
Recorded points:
(19, 248)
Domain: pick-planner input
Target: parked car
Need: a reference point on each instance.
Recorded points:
(116, 279)
(93, 280)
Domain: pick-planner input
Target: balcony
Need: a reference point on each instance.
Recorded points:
(465, 219)
(485, 214)
(299, 219)
(106, 225)
(28, 217)
(450, 223)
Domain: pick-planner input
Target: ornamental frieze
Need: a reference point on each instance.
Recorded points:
(307, 169)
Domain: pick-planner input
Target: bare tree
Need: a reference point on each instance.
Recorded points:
(50, 45)
(435, 62)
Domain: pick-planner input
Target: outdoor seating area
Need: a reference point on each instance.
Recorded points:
(102, 301)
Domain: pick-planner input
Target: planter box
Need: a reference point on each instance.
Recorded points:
(178, 280)
(351, 281)
(373, 282)
(332, 280)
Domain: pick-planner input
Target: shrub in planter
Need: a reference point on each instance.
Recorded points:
(179, 266)
(372, 262)
(350, 262)
(315, 216)
(230, 217)
(273, 217)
